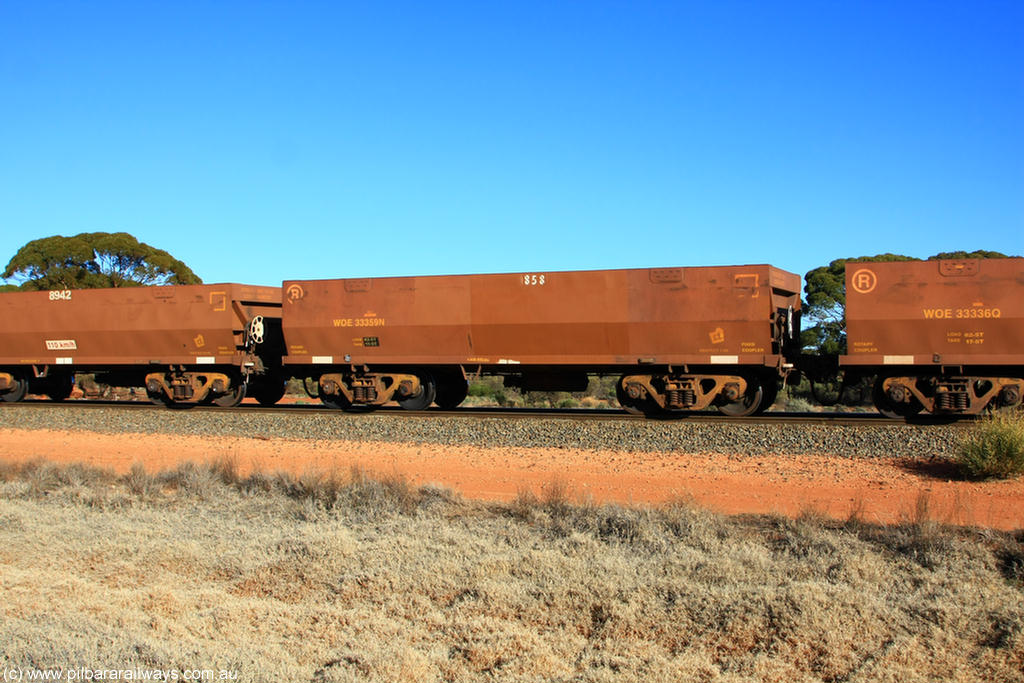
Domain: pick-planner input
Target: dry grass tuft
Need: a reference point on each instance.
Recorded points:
(376, 497)
(42, 478)
(139, 482)
(195, 481)
(225, 468)
(525, 505)
(556, 497)
(855, 517)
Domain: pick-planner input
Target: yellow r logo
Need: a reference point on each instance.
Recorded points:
(864, 280)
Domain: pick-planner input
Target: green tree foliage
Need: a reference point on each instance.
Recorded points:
(95, 259)
(825, 305)
(954, 255)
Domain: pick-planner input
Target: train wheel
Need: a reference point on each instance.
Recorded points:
(631, 406)
(338, 401)
(748, 404)
(232, 398)
(59, 387)
(17, 393)
(771, 392)
(268, 392)
(159, 398)
(341, 403)
(890, 409)
(451, 391)
(422, 399)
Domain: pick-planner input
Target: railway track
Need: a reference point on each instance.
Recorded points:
(579, 414)
(860, 435)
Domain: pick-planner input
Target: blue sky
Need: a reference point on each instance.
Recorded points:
(262, 141)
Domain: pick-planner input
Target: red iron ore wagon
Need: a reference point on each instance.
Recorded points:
(186, 344)
(680, 339)
(945, 337)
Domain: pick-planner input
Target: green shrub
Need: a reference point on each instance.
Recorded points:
(796, 404)
(486, 386)
(492, 391)
(994, 448)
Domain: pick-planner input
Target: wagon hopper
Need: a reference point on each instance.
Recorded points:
(188, 344)
(678, 338)
(945, 337)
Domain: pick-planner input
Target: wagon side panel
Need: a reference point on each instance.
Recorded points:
(412, 320)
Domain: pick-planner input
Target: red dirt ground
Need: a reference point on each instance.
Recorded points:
(877, 490)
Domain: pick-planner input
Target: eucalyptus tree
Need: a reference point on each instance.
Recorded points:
(94, 259)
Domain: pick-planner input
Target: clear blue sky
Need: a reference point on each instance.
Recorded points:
(259, 141)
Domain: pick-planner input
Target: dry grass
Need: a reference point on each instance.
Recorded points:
(348, 577)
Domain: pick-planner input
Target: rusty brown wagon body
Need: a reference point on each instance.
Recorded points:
(682, 338)
(183, 343)
(942, 336)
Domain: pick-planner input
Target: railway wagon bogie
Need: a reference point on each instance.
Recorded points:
(908, 394)
(182, 344)
(193, 385)
(732, 395)
(943, 337)
(412, 390)
(680, 339)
